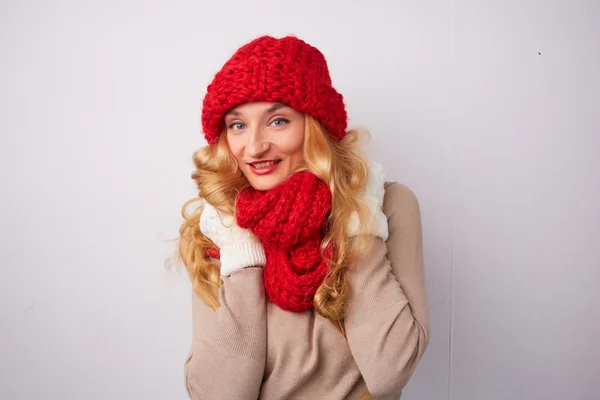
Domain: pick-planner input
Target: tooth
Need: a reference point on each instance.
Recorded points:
(264, 164)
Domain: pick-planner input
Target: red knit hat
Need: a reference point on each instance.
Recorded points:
(286, 70)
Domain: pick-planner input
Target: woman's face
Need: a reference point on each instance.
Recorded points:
(266, 140)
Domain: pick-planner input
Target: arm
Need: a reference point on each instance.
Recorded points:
(228, 351)
(387, 324)
(227, 356)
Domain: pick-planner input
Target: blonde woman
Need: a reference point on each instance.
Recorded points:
(306, 267)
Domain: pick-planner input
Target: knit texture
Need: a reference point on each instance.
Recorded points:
(290, 222)
(238, 248)
(286, 70)
(213, 252)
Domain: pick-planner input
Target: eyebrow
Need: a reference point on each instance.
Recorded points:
(233, 112)
(274, 107)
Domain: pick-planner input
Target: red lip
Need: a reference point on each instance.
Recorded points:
(263, 171)
(259, 161)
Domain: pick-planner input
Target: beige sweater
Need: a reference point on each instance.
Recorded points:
(251, 349)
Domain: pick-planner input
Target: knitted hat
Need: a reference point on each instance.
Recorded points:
(286, 70)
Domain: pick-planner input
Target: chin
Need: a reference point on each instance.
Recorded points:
(264, 183)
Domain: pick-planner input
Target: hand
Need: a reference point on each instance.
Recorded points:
(239, 247)
(373, 198)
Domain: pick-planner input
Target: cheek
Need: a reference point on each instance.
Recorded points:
(236, 148)
(293, 145)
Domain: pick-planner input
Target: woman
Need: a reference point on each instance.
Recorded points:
(294, 296)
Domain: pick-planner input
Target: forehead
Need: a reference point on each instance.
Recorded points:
(258, 107)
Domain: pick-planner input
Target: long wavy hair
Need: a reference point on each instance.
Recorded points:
(340, 164)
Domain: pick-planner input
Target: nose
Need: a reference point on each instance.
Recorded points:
(257, 144)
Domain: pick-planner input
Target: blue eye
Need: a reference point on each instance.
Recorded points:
(236, 126)
(280, 121)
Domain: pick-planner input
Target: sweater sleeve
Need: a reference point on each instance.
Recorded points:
(387, 323)
(228, 352)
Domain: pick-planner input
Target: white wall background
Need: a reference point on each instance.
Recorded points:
(488, 110)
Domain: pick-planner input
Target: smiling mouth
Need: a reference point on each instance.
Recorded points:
(264, 164)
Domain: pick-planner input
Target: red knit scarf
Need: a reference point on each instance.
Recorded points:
(290, 222)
